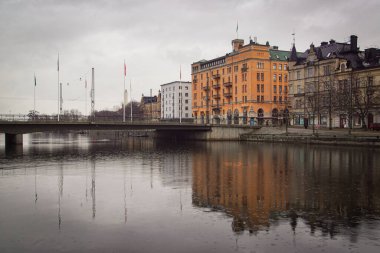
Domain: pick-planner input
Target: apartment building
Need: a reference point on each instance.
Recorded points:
(176, 101)
(335, 85)
(246, 86)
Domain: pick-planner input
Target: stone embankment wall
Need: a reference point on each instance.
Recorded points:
(325, 137)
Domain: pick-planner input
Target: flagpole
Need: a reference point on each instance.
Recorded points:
(237, 29)
(124, 93)
(180, 104)
(130, 96)
(34, 95)
(85, 97)
(58, 85)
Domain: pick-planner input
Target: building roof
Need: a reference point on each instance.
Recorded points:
(279, 55)
(148, 100)
(176, 82)
(331, 50)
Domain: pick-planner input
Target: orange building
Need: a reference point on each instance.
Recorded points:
(247, 86)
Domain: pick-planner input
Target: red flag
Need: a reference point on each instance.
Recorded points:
(125, 69)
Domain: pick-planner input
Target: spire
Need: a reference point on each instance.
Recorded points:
(293, 54)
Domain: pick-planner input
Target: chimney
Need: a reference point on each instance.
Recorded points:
(354, 43)
(236, 44)
(332, 41)
(324, 43)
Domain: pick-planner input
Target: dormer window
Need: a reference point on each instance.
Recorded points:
(343, 67)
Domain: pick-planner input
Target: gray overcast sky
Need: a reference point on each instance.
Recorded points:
(154, 37)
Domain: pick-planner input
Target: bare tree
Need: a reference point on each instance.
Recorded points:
(327, 102)
(365, 95)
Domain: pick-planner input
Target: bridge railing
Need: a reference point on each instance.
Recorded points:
(84, 119)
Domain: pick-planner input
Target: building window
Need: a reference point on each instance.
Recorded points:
(299, 90)
(279, 77)
(274, 78)
(186, 101)
(285, 78)
(274, 88)
(229, 70)
(280, 66)
(186, 87)
(195, 95)
(260, 65)
(262, 76)
(236, 68)
(258, 88)
(280, 99)
(298, 74)
(186, 94)
(258, 98)
(262, 87)
(275, 99)
(285, 67)
(280, 89)
(258, 76)
(326, 70)
(262, 98)
(309, 72)
(274, 66)
(235, 79)
(235, 89)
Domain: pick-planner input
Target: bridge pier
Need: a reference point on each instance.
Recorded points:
(12, 140)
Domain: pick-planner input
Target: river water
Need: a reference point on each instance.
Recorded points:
(75, 193)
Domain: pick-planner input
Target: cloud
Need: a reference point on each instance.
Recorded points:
(154, 37)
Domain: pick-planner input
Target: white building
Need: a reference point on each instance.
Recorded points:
(176, 100)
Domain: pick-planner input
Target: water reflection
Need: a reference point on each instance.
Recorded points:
(145, 196)
(327, 188)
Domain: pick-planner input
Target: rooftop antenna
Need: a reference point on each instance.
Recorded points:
(294, 38)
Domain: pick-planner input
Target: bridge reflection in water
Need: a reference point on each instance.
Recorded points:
(329, 189)
(160, 196)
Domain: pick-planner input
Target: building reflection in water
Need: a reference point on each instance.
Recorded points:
(260, 185)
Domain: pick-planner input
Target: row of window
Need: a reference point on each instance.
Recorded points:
(276, 99)
(179, 101)
(260, 65)
(168, 109)
(280, 66)
(170, 88)
(260, 88)
(180, 94)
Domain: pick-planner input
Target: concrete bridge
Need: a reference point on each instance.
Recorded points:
(14, 130)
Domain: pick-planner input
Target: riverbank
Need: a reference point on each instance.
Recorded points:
(341, 137)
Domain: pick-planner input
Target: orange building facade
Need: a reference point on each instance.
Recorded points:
(247, 86)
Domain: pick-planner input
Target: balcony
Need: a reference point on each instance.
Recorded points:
(216, 96)
(195, 80)
(216, 86)
(227, 94)
(216, 76)
(227, 84)
(244, 69)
